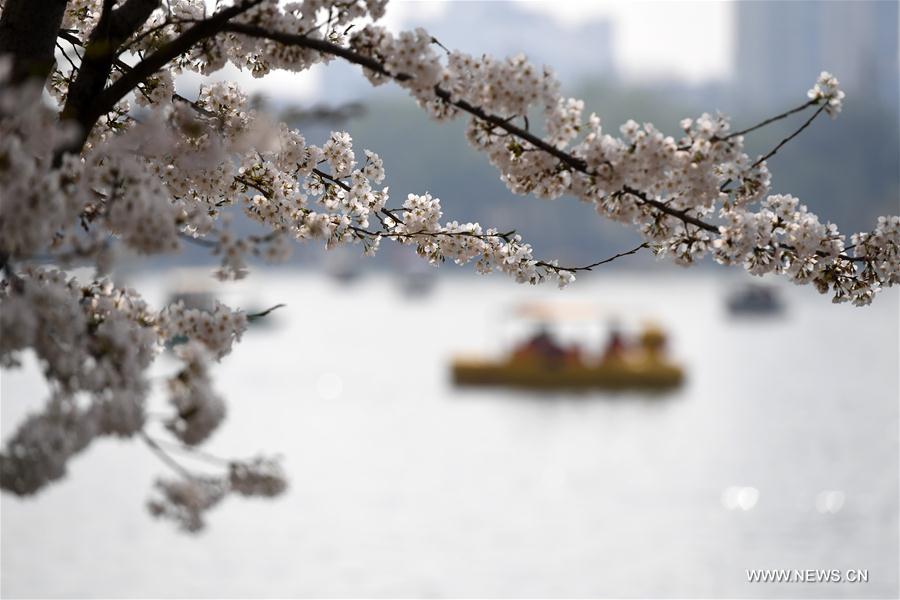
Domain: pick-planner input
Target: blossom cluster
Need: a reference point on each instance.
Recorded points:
(96, 343)
(186, 500)
(826, 90)
(464, 242)
(199, 410)
(307, 192)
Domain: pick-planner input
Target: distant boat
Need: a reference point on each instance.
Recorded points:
(541, 363)
(755, 300)
(535, 374)
(342, 265)
(415, 278)
(416, 284)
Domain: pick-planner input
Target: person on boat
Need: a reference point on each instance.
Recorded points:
(653, 343)
(616, 347)
(543, 345)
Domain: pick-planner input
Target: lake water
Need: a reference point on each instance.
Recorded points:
(781, 451)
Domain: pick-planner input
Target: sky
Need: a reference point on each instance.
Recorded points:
(677, 39)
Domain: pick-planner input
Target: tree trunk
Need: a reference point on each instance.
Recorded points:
(28, 30)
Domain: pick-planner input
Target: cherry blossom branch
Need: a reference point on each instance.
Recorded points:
(504, 236)
(398, 235)
(771, 153)
(341, 184)
(401, 235)
(507, 125)
(573, 162)
(665, 208)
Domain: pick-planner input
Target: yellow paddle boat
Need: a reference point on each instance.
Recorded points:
(541, 363)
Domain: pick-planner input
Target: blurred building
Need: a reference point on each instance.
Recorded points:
(782, 46)
(506, 30)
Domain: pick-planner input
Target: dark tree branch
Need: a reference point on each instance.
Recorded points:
(70, 37)
(113, 28)
(125, 67)
(682, 215)
(333, 180)
(129, 17)
(108, 98)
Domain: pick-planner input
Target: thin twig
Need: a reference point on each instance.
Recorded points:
(191, 451)
(263, 313)
(69, 60)
(772, 152)
(591, 266)
(164, 456)
(761, 124)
